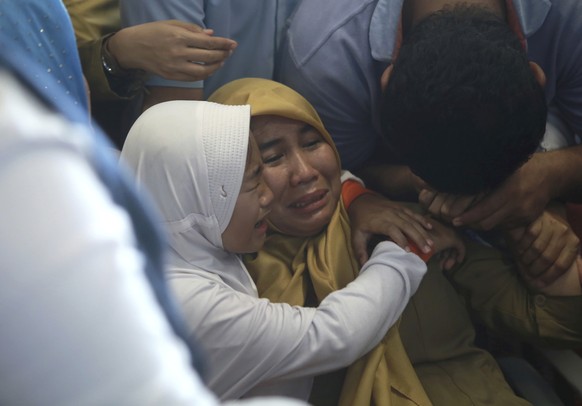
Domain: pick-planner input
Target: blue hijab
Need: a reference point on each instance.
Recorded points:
(43, 30)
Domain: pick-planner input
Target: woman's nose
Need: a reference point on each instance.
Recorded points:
(302, 171)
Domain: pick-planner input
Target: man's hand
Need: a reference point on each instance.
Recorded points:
(371, 214)
(448, 245)
(517, 202)
(445, 206)
(545, 250)
(171, 49)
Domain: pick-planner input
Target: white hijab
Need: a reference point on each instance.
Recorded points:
(191, 156)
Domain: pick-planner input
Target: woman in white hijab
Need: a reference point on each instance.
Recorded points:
(191, 157)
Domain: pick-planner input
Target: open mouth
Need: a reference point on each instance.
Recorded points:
(261, 225)
(312, 199)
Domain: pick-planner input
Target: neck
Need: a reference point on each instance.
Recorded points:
(414, 11)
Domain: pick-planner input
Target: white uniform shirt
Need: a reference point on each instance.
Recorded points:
(79, 323)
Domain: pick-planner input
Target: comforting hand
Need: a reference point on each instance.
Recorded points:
(372, 214)
(448, 245)
(445, 206)
(171, 49)
(517, 202)
(545, 250)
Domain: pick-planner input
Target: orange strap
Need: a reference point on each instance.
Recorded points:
(352, 189)
(425, 256)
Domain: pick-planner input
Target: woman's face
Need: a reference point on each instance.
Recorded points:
(302, 171)
(247, 228)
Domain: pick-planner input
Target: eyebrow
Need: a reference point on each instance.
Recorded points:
(268, 144)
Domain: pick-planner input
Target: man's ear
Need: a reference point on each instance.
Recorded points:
(538, 73)
(386, 77)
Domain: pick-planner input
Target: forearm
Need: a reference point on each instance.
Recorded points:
(564, 173)
(236, 328)
(394, 181)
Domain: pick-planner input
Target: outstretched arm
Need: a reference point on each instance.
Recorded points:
(524, 196)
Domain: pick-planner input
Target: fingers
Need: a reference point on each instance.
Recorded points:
(485, 215)
(547, 250)
(458, 205)
(379, 216)
(204, 56)
(443, 205)
(414, 227)
(184, 24)
(556, 260)
(433, 202)
(447, 259)
(207, 42)
(425, 197)
(559, 268)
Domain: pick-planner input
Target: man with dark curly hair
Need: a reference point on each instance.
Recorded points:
(447, 112)
(472, 94)
(469, 85)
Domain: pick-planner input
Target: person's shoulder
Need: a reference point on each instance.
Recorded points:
(308, 31)
(538, 15)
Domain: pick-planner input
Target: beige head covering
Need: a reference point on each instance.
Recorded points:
(302, 271)
(267, 97)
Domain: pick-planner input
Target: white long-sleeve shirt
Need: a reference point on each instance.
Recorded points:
(275, 348)
(79, 323)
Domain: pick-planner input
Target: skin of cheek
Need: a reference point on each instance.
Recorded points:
(291, 221)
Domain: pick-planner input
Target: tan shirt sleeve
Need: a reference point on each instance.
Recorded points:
(493, 291)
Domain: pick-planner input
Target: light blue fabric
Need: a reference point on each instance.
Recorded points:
(43, 30)
(254, 24)
(335, 60)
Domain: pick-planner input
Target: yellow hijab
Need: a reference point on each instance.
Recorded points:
(303, 271)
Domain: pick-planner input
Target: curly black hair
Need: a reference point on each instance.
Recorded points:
(463, 108)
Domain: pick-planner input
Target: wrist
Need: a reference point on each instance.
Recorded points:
(110, 62)
(124, 82)
(415, 249)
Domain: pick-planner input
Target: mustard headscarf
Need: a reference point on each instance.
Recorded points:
(303, 271)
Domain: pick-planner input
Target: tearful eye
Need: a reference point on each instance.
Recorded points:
(312, 143)
(270, 159)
